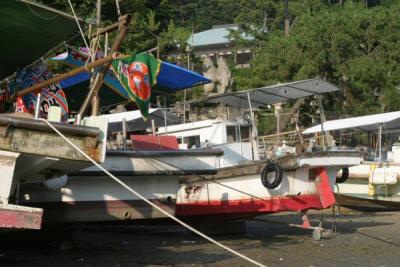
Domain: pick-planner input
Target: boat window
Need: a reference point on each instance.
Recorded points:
(231, 133)
(245, 132)
(192, 141)
(237, 133)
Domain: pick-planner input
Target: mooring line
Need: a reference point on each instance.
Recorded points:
(149, 202)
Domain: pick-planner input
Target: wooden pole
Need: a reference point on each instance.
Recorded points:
(124, 135)
(37, 87)
(98, 13)
(109, 28)
(102, 73)
(95, 98)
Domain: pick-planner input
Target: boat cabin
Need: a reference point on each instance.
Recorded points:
(232, 137)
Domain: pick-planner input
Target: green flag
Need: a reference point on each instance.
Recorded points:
(138, 74)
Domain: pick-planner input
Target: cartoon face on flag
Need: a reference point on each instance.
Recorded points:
(51, 95)
(137, 74)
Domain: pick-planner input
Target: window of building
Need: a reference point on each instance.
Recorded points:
(243, 58)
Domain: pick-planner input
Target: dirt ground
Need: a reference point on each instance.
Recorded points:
(361, 239)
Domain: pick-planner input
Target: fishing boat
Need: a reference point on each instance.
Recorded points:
(373, 184)
(193, 179)
(31, 149)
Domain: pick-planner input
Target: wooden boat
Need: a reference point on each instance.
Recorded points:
(31, 151)
(186, 183)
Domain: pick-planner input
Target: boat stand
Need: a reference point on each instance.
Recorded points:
(318, 231)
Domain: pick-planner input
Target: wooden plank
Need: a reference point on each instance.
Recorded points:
(48, 144)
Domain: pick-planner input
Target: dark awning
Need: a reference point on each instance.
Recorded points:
(28, 31)
(273, 94)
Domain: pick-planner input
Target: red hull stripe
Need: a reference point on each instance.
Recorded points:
(270, 205)
(20, 219)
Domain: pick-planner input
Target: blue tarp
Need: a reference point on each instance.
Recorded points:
(171, 78)
(175, 78)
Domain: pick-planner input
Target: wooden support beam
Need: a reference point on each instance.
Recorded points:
(110, 28)
(48, 144)
(93, 92)
(37, 87)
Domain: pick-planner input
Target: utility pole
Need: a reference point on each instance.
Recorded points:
(287, 21)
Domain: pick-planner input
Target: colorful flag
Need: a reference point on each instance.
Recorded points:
(138, 74)
(76, 57)
(51, 95)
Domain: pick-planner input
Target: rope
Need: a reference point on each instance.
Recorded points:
(148, 201)
(38, 15)
(79, 26)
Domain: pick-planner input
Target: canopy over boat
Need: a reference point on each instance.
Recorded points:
(28, 30)
(135, 122)
(274, 94)
(171, 78)
(369, 123)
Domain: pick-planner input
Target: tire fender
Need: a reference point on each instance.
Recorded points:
(277, 179)
(343, 178)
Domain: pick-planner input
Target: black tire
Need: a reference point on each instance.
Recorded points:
(343, 178)
(266, 175)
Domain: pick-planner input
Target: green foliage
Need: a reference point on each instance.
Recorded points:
(355, 45)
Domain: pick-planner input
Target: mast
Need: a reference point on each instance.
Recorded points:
(95, 101)
(94, 89)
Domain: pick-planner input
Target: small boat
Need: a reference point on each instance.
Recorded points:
(373, 184)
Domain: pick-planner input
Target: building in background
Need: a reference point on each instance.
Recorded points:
(215, 43)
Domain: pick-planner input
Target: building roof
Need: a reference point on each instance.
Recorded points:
(217, 35)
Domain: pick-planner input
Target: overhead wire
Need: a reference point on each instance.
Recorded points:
(79, 26)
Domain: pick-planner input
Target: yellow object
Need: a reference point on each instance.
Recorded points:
(371, 187)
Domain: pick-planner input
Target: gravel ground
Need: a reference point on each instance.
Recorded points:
(361, 239)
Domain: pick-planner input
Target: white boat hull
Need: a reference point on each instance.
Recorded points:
(359, 192)
(235, 192)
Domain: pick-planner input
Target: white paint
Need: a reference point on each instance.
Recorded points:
(7, 166)
(214, 131)
(330, 161)
(390, 120)
(178, 162)
(102, 124)
(101, 188)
